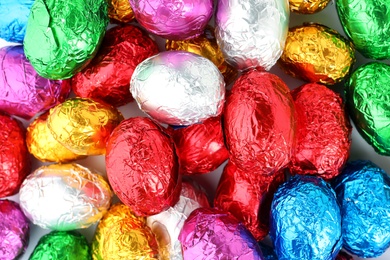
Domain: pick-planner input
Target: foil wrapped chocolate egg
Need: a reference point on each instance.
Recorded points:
(305, 220)
(62, 245)
(316, 53)
(172, 19)
(323, 137)
(62, 36)
(83, 125)
(14, 230)
(307, 6)
(178, 88)
(64, 197)
(367, 25)
(23, 92)
(122, 235)
(252, 33)
(259, 123)
(15, 163)
(210, 234)
(142, 166)
(366, 92)
(363, 194)
(13, 19)
(108, 75)
(120, 11)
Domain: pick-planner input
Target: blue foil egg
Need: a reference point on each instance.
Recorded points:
(305, 220)
(363, 192)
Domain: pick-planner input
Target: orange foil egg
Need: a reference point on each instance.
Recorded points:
(307, 6)
(120, 11)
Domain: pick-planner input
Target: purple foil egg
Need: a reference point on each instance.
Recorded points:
(22, 91)
(14, 230)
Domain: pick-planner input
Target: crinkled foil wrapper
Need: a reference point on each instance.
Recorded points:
(14, 230)
(200, 147)
(316, 53)
(13, 19)
(268, 252)
(252, 33)
(213, 234)
(64, 197)
(23, 92)
(259, 123)
(308, 6)
(367, 96)
(171, 19)
(363, 192)
(323, 136)
(206, 45)
(15, 163)
(63, 36)
(305, 210)
(178, 88)
(122, 235)
(367, 24)
(168, 224)
(343, 256)
(108, 75)
(83, 125)
(42, 144)
(142, 166)
(248, 197)
(120, 11)
(62, 245)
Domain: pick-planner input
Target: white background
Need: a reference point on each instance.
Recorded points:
(359, 150)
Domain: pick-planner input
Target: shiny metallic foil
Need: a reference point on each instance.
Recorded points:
(63, 36)
(108, 75)
(178, 88)
(206, 46)
(323, 137)
(62, 245)
(316, 53)
(248, 197)
(168, 224)
(200, 147)
(14, 230)
(13, 19)
(367, 95)
(173, 19)
(214, 234)
(306, 220)
(259, 123)
(142, 166)
(363, 192)
(252, 33)
(41, 143)
(15, 162)
(64, 197)
(122, 235)
(367, 24)
(23, 92)
(83, 125)
(307, 6)
(120, 11)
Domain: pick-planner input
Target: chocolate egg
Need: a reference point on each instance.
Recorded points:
(13, 19)
(120, 11)
(307, 6)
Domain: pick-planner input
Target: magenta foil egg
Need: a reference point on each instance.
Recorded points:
(173, 19)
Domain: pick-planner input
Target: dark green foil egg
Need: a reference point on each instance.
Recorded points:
(63, 36)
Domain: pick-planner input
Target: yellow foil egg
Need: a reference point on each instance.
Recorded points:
(316, 53)
(307, 6)
(83, 125)
(122, 235)
(41, 143)
(120, 11)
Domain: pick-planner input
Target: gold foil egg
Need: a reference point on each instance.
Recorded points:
(41, 143)
(316, 53)
(83, 125)
(120, 11)
(307, 6)
(122, 235)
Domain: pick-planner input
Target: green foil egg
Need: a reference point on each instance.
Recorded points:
(367, 94)
(62, 36)
(367, 24)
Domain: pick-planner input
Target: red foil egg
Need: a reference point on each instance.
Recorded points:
(200, 147)
(108, 75)
(15, 162)
(259, 123)
(142, 166)
(323, 132)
